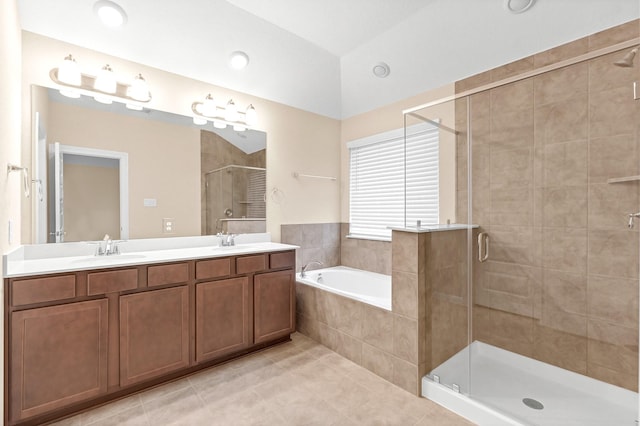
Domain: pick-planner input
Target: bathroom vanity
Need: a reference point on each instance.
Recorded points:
(82, 330)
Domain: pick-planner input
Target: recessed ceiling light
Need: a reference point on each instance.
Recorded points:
(518, 6)
(239, 60)
(111, 14)
(381, 70)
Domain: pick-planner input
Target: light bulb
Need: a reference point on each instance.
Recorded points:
(103, 99)
(134, 107)
(209, 107)
(69, 72)
(219, 124)
(199, 121)
(251, 116)
(70, 93)
(239, 128)
(139, 89)
(231, 111)
(106, 80)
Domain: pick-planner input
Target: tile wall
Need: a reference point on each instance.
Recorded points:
(561, 284)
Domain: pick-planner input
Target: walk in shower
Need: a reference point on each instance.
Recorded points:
(543, 328)
(235, 199)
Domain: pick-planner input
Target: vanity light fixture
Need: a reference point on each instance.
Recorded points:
(103, 86)
(210, 110)
(110, 13)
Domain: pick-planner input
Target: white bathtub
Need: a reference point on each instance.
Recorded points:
(365, 286)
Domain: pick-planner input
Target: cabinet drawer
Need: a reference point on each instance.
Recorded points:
(247, 264)
(176, 273)
(214, 268)
(282, 260)
(112, 281)
(46, 289)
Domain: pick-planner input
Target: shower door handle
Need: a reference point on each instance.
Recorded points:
(483, 242)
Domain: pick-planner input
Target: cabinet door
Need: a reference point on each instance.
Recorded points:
(58, 356)
(154, 334)
(274, 305)
(222, 317)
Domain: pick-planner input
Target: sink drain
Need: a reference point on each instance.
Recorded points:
(532, 403)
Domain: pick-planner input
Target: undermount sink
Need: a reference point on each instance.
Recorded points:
(109, 259)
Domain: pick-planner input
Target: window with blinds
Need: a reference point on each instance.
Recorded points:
(387, 191)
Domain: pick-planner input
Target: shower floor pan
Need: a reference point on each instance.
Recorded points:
(511, 389)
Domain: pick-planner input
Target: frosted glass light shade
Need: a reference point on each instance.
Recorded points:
(219, 124)
(139, 89)
(69, 72)
(209, 106)
(106, 80)
(198, 121)
(251, 116)
(231, 111)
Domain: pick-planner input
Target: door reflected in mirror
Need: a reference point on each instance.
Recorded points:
(169, 159)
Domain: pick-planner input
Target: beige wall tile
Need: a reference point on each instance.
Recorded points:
(306, 302)
(613, 253)
(405, 339)
(404, 251)
(312, 235)
(565, 249)
(510, 97)
(562, 52)
(613, 156)
(614, 300)
(349, 347)
(604, 76)
(614, 35)
(562, 121)
(330, 235)
(473, 81)
(377, 361)
(512, 168)
(512, 129)
(613, 347)
(609, 205)
(449, 330)
(565, 206)
(513, 68)
(562, 349)
(291, 234)
(377, 328)
(511, 207)
(564, 164)
(405, 375)
(404, 298)
(622, 379)
(562, 84)
(612, 112)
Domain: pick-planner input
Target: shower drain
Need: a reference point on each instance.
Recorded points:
(532, 403)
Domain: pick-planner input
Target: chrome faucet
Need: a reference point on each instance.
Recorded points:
(303, 270)
(108, 247)
(226, 240)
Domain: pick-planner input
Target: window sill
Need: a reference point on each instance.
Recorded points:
(368, 237)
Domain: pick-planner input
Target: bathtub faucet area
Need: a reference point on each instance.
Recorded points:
(304, 267)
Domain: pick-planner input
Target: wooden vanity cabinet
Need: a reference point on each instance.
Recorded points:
(223, 312)
(86, 337)
(58, 356)
(274, 305)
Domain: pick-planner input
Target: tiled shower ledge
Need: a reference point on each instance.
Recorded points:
(435, 228)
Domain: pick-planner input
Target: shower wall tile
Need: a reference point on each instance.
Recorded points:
(512, 168)
(562, 121)
(565, 206)
(609, 205)
(607, 77)
(473, 82)
(565, 350)
(512, 69)
(612, 112)
(615, 377)
(613, 253)
(564, 164)
(565, 249)
(562, 52)
(561, 85)
(614, 300)
(406, 375)
(405, 339)
(512, 129)
(513, 96)
(613, 156)
(614, 35)
(404, 293)
(613, 347)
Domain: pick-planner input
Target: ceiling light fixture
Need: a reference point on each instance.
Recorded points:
(103, 86)
(221, 117)
(239, 60)
(110, 13)
(381, 70)
(518, 6)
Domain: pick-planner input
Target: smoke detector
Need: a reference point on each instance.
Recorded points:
(518, 6)
(381, 70)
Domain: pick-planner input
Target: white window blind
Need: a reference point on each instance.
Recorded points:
(377, 181)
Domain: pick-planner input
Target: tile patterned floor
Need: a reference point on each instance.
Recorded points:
(297, 383)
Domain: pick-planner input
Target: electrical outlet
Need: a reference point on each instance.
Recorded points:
(168, 225)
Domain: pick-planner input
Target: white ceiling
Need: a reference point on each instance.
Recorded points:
(317, 55)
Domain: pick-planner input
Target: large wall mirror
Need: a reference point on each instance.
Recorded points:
(106, 169)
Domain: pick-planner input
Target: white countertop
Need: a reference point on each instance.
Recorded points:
(66, 257)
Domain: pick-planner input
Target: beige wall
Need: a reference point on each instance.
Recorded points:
(156, 168)
(296, 140)
(390, 117)
(10, 194)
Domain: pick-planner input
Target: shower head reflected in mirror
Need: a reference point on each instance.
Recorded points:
(627, 60)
